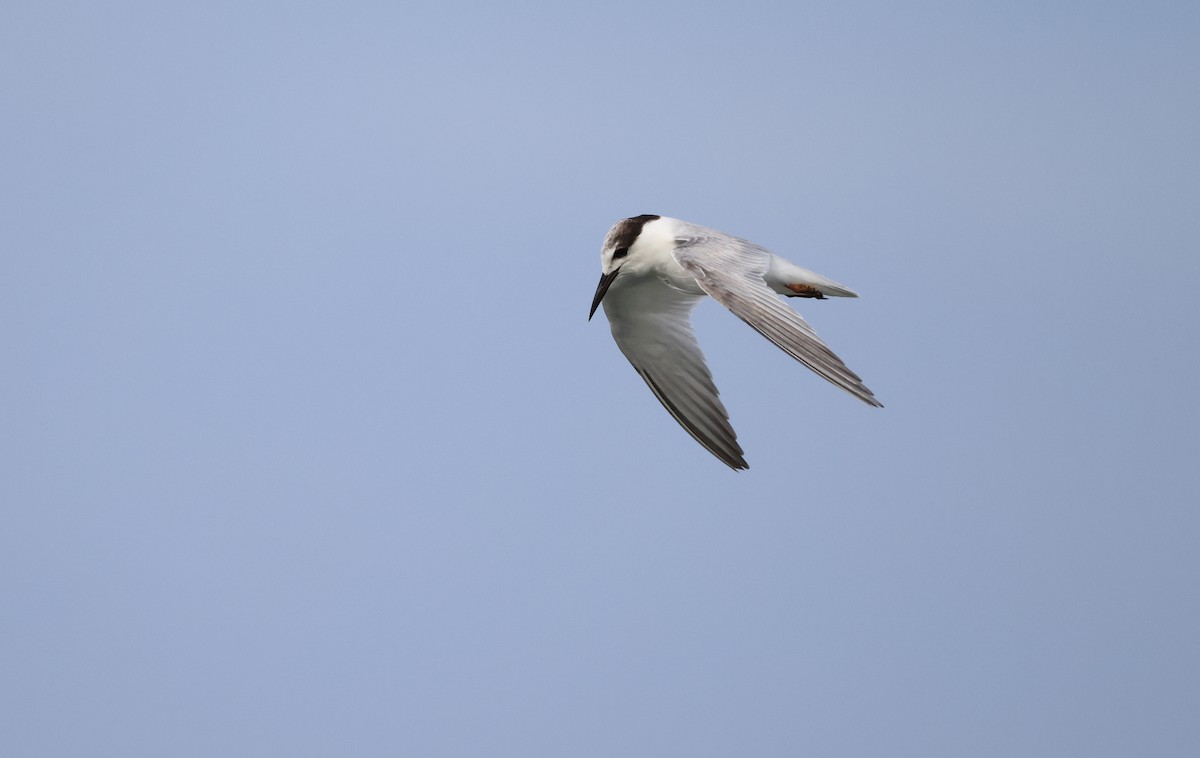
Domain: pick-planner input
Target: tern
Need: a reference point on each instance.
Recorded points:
(654, 270)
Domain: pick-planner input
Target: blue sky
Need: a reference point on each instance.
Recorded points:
(310, 450)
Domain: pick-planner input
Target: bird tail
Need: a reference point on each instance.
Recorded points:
(787, 278)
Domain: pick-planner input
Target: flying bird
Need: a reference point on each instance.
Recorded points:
(654, 270)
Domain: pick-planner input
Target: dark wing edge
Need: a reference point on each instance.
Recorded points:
(723, 444)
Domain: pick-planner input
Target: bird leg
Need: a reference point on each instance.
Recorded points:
(805, 290)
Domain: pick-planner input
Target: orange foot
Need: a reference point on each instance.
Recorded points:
(805, 290)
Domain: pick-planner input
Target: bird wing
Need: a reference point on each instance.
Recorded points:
(651, 323)
(731, 270)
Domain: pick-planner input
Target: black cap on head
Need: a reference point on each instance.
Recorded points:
(626, 232)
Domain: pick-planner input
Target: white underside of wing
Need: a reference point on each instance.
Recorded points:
(651, 323)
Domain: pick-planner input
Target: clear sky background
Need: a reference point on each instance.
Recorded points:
(308, 448)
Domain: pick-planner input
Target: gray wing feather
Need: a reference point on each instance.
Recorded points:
(651, 324)
(731, 270)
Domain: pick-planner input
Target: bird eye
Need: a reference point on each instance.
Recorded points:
(620, 253)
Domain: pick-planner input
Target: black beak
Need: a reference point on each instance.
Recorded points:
(605, 282)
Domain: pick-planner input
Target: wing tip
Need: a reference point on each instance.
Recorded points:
(727, 449)
(735, 461)
(868, 397)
